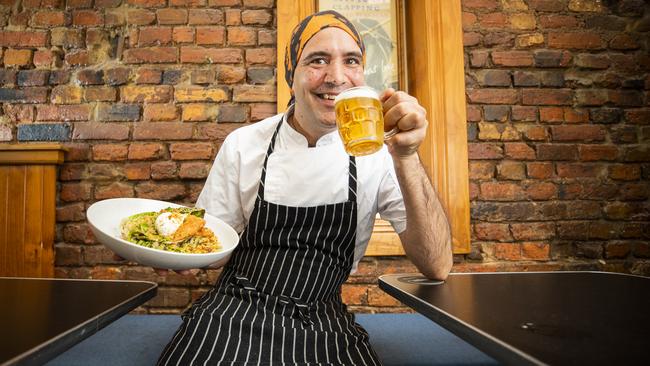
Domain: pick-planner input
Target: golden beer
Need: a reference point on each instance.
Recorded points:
(360, 120)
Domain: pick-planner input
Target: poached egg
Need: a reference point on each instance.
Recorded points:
(168, 222)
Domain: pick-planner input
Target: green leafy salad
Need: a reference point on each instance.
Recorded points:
(179, 230)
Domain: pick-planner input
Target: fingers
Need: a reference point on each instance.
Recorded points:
(117, 258)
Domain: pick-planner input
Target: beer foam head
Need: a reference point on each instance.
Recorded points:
(357, 92)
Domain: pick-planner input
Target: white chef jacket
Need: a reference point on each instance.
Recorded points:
(298, 175)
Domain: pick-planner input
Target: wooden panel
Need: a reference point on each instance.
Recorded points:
(28, 208)
(435, 68)
(436, 78)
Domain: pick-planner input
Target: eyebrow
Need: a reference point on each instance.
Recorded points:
(327, 54)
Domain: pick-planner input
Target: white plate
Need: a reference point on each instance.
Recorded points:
(105, 218)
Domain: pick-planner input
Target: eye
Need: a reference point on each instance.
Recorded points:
(318, 61)
(353, 61)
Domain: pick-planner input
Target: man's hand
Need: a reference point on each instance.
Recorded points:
(404, 112)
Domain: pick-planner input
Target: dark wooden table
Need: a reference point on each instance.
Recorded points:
(555, 318)
(40, 318)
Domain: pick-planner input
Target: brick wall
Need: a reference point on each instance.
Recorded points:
(144, 91)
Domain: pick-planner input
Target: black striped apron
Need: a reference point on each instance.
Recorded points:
(278, 299)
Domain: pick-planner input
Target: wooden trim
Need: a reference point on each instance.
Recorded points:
(435, 71)
(31, 154)
(437, 79)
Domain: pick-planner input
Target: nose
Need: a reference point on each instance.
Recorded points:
(335, 74)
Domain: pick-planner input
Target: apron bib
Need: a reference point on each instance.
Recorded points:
(278, 300)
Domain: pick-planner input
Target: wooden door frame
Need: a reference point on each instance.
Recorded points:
(436, 76)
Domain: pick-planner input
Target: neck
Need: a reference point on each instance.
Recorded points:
(311, 136)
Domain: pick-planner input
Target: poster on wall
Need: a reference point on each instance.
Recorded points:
(377, 22)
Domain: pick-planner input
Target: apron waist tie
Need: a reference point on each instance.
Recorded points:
(300, 309)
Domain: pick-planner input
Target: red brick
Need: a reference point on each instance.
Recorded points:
(46, 59)
(100, 94)
(19, 113)
(109, 152)
(501, 191)
(480, 4)
(188, 3)
(191, 151)
(492, 231)
(72, 212)
(73, 192)
(23, 39)
(547, 96)
(598, 152)
(231, 74)
(146, 94)
(233, 16)
(254, 93)
(114, 190)
(78, 58)
(154, 36)
(539, 170)
(478, 58)
(481, 170)
(258, 3)
(64, 94)
(575, 40)
(523, 113)
(147, 3)
(13, 57)
(164, 170)
(171, 16)
(478, 151)
(200, 55)
(151, 55)
(242, 36)
(507, 251)
(78, 233)
(210, 35)
(197, 112)
(183, 34)
(623, 42)
(160, 191)
(512, 58)
(73, 172)
(100, 131)
(511, 170)
(147, 75)
(591, 61)
(194, 170)
(140, 17)
(264, 56)
(579, 170)
(493, 20)
(354, 294)
(576, 115)
(377, 297)
(87, 18)
(77, 4)
(625, 172)
(46, 19)
(626, 98)
(578, 133)
(145, 151)
(256, 17)
(137, 171)
(493, 96)
(206, 16)
(63, 112)
(557, 152)
(160, 112)
(541, 191)
(162, 131)
(260, 111)
(198, 94)
(551, 114)
(535, 251)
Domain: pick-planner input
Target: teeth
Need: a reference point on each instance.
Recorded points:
(328, 96)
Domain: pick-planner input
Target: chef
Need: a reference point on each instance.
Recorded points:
(305, 210)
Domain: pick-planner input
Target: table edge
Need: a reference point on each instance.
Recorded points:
(53, 347)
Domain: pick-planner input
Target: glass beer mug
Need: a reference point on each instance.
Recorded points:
(360, 120)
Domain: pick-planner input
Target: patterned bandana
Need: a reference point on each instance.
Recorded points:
(306, 29)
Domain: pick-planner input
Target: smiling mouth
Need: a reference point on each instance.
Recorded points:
(326, 96)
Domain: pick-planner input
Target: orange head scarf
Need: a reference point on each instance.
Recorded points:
(306, 29)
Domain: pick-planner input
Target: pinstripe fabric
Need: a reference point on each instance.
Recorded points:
(278, 300)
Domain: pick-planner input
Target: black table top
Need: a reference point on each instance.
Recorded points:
(40, 318)
(580, 318)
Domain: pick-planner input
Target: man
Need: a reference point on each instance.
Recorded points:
(306, 210)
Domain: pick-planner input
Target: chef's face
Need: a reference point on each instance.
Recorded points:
(331, 62)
